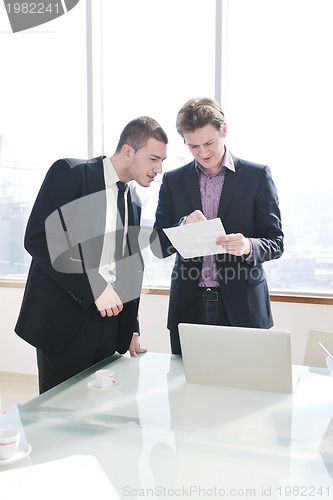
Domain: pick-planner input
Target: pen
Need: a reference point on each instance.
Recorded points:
(326, 351)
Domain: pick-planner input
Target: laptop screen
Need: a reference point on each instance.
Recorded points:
(237, 357)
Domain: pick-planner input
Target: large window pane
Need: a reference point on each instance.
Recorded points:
(276, 83)
(279, 108)
(43, 117)
(157, 55)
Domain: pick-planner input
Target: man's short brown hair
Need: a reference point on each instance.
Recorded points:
(197, 113)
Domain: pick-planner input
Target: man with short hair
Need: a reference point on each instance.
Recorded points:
(228, 288)
(82, 294)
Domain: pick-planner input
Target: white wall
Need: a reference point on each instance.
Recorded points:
(17, 356)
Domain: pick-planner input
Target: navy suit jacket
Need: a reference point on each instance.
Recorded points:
(248, 205)
(64, 236)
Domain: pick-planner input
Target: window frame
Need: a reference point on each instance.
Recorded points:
(95, 120)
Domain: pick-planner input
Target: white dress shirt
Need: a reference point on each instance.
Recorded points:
(107, 267)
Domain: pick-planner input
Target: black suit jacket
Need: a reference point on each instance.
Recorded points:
(64, 236)
(249, 205)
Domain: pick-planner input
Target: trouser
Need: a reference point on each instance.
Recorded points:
(209, 310)
(96, 340)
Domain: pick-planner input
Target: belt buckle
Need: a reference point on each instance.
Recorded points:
(210, 295)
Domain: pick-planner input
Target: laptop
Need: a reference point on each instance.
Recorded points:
(236, 357)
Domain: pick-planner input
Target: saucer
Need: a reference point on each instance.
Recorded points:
(23, 451)
(93, 385)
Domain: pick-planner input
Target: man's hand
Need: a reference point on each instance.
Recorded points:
(196, 216)
(235, 244)
(109, 303)
(135, 347)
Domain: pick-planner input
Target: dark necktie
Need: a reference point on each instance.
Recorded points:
(120, 219)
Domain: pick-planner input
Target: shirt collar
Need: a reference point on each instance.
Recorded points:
(110, 175)
(227, 162)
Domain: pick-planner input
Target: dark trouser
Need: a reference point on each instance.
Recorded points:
(96, 341)
(209, 310)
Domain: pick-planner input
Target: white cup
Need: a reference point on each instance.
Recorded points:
(9, 442)
(104, 378)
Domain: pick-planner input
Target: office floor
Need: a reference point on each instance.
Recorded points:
(16, 389)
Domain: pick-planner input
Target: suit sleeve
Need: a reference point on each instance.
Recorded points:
(47, 238)
(165, 218)
(268, 240)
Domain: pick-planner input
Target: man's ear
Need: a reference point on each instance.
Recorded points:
(224, 130)
(127, 152)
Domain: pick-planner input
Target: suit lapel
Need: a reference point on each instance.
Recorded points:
(133, 207)
(96, 188)
(95, 175)
(96, 184)
(134, 210)
(192, 186)
(230, 186)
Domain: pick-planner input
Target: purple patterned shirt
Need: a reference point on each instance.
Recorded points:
(211, 189)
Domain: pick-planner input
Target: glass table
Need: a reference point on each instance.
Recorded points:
(156, 436)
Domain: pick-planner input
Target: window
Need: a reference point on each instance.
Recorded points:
(43, 102)
(275, 90)
(156, 56)
(267, 62)
(279, 107)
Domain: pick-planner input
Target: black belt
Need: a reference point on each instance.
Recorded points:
(209, 293)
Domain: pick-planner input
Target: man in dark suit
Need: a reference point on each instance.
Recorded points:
(81, 299)
(228, 288)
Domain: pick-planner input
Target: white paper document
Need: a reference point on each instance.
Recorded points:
(197, 239)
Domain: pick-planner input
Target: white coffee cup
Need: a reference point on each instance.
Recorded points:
(104, 378)
(9, 441)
